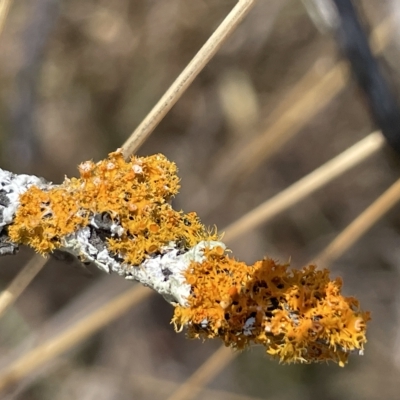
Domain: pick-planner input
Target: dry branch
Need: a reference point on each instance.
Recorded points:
(118, 215)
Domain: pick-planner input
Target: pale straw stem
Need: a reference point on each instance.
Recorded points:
(306, 186)
(204, 374)
(164, 386)
(360, 226)
(200, 60)
(4, 9)
(9, 295)
(294, 111)
(70, 337)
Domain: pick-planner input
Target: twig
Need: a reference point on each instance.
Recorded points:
(353, 41)
(117, 215)
(200, 60)
(305, 186)
(360, 226)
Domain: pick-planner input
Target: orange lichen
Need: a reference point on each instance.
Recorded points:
(298, 315)
(134, 194)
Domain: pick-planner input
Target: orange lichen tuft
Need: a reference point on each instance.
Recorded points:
(134, 194)
(298, 315)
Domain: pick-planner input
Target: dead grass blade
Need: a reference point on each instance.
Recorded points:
(4, 9)
(360, 226)
(71, 336)
(309, 96)
(295, 111)
(204, 374)
(306, 186)
(200, 60)
(163, 386)
(9, 295)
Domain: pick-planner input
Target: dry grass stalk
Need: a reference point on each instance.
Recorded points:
(4, 9)
(360, 226)
(163, 386)
(306, 186)
(204, 374)
(72, 336)
(184, 80)
(21, 282)
(308, 97)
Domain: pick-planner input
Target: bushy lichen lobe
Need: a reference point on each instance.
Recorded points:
(134, 194)
(298, 315)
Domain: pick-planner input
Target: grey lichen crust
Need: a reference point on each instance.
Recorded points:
(163, 272)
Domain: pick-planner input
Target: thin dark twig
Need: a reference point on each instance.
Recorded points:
(382, 102)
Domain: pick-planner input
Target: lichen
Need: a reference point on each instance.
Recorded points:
(118, 214)
(298, 315)
(136, 194)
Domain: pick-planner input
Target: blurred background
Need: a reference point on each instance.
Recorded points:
(76, 78)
